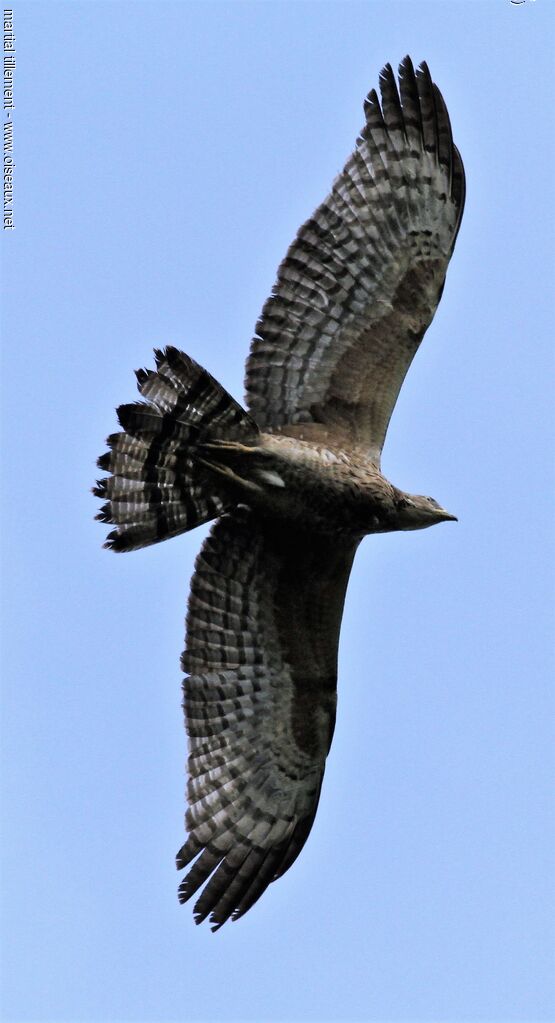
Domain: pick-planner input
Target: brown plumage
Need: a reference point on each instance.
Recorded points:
(294, 484)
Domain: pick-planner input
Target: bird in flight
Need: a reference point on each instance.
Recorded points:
(294, 484)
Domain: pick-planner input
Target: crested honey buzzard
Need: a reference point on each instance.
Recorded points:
(294, 484)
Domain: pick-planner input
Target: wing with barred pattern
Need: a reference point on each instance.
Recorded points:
(362, 280)
(262, 634)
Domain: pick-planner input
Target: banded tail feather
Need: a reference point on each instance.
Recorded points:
(159, 484)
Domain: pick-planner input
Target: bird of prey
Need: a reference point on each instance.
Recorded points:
(294, 484)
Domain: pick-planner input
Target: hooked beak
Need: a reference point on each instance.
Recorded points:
(447, 517)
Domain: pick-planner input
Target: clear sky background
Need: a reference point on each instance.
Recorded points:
(165, 156)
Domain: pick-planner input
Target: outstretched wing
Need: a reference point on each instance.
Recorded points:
(361, 282)
(262, 633)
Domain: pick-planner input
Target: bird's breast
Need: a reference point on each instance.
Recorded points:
(322, 486)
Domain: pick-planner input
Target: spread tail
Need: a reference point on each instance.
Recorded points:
(159, 485)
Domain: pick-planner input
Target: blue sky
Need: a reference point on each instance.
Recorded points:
(165, 157)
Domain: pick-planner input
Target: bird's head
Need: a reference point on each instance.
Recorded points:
(416, 512)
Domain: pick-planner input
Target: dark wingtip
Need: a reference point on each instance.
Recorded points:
(406, 67)
(171, 352)
(199, 916)
(183, 894)
(372, 109)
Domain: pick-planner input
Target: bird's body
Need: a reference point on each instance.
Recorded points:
(294, 483)
(324, 488)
